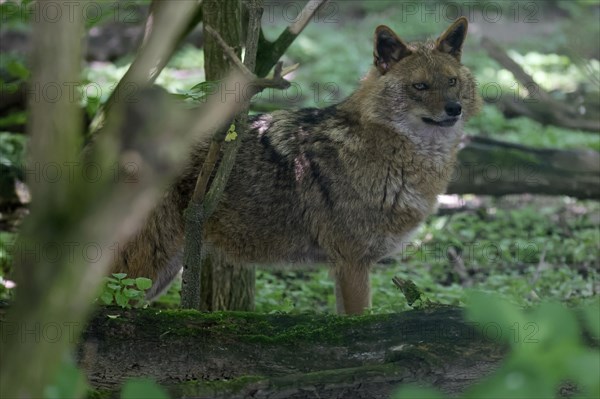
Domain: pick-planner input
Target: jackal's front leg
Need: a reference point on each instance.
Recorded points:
(352, 288)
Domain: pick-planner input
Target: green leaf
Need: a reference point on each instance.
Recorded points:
(120, 276)
(114, 287)
(128, 281)
(204, 86)
(414, 296)
(591, 315)
(143, 388)
(230, 137)
(107, 298)
(143, 283)
(412, 392)
(122, 300)
(200, 91)
(131, 293)
(231, 133)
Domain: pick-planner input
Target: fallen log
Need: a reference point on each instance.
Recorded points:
(237, 355)
(492, 167)
(485, 167)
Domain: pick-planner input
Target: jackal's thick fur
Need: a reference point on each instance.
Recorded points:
(344, 184)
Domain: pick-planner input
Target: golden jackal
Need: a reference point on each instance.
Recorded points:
(344, 184)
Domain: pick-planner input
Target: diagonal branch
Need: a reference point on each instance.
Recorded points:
(539, 105)
(229, 51)
(270, 52)
(256, 86)
(160, 40)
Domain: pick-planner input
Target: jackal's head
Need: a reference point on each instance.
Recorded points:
(419, 86)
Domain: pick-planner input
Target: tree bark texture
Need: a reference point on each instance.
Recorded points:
(223, 285)
(491, 167)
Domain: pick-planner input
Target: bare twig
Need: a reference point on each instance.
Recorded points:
(459, 266)
(540, 266)
(255, 11)
(229, 52)
(538, 271)
(207, 169)
(289, 69)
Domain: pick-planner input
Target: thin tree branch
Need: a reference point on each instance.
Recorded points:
(229, 52)
(204, 202)
(309, 10)
(256, 86)
(270, 52)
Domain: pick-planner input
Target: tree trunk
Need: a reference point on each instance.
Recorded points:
(291, 356)
(57, 291)
(54, 127)
(224, 286)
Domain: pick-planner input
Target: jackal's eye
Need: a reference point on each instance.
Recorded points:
(420, 86)
(452, 81)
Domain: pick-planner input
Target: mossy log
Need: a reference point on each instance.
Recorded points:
(492, 167)
(238, 355)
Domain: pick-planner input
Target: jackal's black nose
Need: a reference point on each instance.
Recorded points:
(453, 108)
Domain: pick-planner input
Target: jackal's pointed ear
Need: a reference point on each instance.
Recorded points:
(389, 49)
(451, 41)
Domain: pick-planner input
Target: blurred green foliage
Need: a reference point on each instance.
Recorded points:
(12, 155)
(69, 381)
(547, 351)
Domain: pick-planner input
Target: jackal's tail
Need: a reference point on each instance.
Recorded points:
(156, 250)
